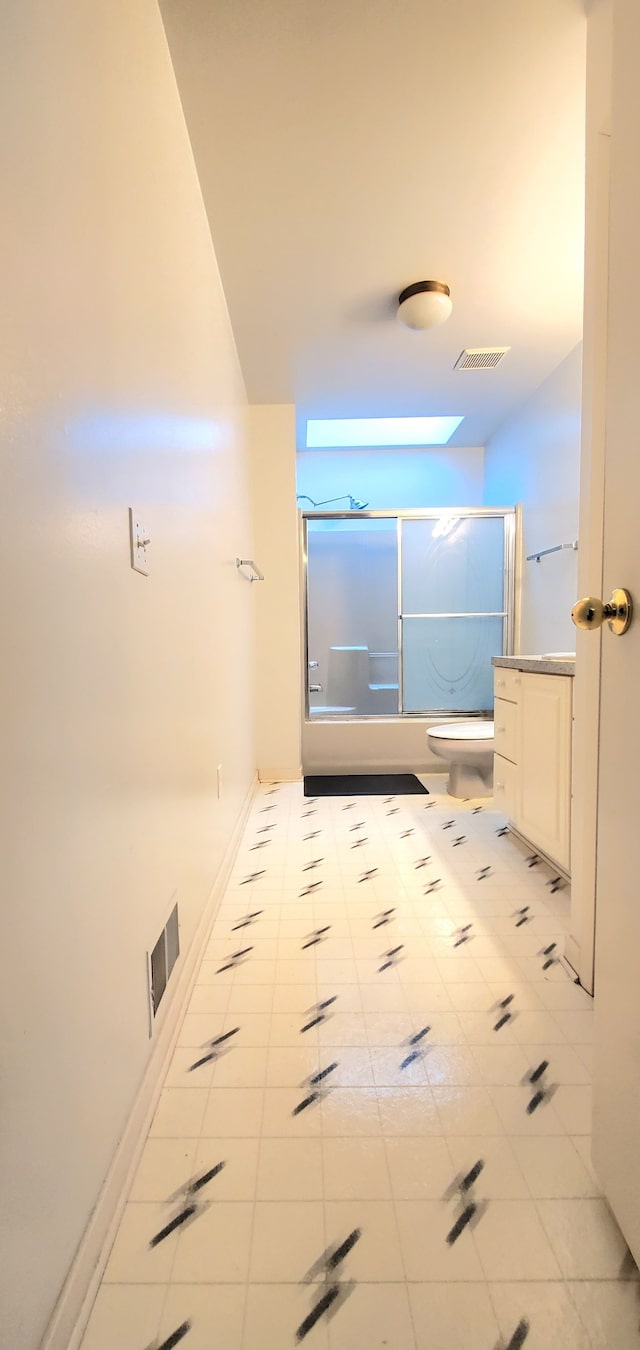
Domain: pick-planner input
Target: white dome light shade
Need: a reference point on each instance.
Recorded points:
(425, 304)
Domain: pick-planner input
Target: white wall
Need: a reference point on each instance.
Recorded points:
(393, 479)
(120, 386)
(535, 459)
(272, 441)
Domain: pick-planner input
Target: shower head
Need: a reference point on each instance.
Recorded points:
(354, 504)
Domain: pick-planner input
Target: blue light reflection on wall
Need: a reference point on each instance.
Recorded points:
(140, 433)
(368, 432)
(439, 476)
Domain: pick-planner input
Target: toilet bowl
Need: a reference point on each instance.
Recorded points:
(467, 748)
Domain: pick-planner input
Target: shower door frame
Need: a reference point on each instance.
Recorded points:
(511, 518)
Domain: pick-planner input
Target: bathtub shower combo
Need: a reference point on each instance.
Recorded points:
(403, 612)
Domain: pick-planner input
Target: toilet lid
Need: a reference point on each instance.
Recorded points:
(463, 731)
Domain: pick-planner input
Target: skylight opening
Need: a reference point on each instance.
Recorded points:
(369, 433)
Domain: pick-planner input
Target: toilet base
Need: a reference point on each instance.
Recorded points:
(467, 781)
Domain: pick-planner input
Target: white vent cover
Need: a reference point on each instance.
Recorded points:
(160, 963)
(480, 358)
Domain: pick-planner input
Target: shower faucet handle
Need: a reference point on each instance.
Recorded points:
(315, 689)
(313, 665)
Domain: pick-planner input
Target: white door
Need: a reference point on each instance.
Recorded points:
(617, 971)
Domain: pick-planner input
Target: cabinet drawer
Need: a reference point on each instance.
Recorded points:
(505, 729)
(506, 683)
(505, 786)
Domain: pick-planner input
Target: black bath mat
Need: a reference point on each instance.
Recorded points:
(362, 785)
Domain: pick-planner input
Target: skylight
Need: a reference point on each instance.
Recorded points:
(370, 432)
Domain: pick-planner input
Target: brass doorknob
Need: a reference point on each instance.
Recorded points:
(591, 613)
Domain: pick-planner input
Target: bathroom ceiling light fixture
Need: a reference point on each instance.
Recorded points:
(354, 503)
(425, 304)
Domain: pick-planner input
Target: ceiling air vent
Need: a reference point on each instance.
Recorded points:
(480, 358)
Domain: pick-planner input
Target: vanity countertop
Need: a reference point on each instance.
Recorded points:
(538, 665)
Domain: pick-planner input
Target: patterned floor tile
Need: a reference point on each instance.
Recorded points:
(385, 1137)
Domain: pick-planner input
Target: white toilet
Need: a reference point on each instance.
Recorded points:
(468, 749)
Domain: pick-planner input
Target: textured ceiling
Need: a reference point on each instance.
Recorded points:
(349, 147)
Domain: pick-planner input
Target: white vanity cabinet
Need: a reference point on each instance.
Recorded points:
(532, 767)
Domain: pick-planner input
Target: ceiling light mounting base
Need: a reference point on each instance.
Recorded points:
(424, 304)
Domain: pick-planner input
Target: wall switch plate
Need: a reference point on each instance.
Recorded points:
(139, 541)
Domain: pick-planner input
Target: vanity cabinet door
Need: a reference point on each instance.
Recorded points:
(544, 805)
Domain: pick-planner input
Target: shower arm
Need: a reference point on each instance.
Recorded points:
(354, 504)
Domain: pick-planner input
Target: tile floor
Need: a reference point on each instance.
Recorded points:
(375, 1128)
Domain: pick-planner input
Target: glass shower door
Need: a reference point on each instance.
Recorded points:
(352, 616)
(454, 611)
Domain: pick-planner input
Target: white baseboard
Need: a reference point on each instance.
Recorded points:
(572, 956)
(288, 774)
(544, 857)
(71, 1313)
